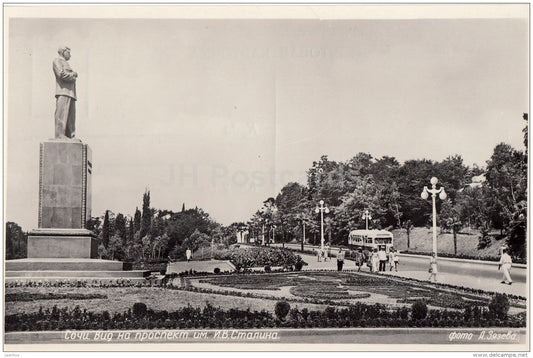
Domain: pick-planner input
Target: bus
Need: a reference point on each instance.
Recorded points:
(370, 239)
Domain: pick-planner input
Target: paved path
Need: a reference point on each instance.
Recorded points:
(468, 274)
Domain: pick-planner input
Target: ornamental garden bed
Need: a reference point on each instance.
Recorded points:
(331, 295)
(339, 286)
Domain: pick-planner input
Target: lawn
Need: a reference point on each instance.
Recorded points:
(120, 299)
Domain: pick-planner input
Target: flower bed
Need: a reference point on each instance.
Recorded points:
(259, 257)
(326, 285)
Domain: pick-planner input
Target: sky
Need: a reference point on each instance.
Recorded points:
(222, 113)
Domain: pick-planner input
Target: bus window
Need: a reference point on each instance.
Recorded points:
(368, 240)
(383, 240)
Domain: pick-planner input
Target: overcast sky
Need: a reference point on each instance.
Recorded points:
(220, 114)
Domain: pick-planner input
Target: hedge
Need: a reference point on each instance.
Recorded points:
(356, 315)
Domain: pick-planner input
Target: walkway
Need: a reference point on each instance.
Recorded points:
(457, 279)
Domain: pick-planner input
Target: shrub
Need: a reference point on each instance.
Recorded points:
(216, 270)
(268, 269)
(139, 309)
(419, 310)
(299, 263)
(499, 306)
(281, 309)
(330, 312)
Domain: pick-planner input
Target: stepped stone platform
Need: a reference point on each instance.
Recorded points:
(69, 268)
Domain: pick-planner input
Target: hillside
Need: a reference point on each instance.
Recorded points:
(421, 241)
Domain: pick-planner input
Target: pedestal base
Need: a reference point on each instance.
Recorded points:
(62, 243)
(56, 269)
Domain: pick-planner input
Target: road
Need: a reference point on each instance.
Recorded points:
(468, 273)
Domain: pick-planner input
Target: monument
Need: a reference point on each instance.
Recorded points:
(65, 170)
(62, 246)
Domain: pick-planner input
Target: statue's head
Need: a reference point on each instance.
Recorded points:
(64, 52)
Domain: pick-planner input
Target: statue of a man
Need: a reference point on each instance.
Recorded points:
(65, 116)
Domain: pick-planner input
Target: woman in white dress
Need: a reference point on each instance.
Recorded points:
(375, 261)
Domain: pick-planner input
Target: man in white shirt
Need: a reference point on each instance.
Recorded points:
(382, 255)
(505, 265)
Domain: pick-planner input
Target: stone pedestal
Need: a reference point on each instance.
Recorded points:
(64, 184)
(62, 248)
(65, 171)
(62, 243)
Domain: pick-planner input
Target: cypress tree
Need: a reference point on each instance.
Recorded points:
(106, 229)
(146, 218)
(137, 221)
(131, 231)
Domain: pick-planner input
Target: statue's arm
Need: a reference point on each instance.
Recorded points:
(65, 74)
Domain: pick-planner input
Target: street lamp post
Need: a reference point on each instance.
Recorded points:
(321, 209)
(366, 216)
(303, 238)
(442, 195)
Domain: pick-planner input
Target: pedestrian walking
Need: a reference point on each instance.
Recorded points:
(433, 269)
(359, 259)
(395, 259)
(375, 261)
(391, 259)
(319, 254)
(188, 253)
(382, 256)
(505, 266)
(340, 260)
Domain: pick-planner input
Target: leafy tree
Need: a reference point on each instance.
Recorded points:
(16, 241)
(291, 203)
(408, 226)
(452, 175)
(196, 241)
(147, 247)
(507, 179)
(162, 244)
(449, 220)
(114, 249)
(181, 225)
(413, 176)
